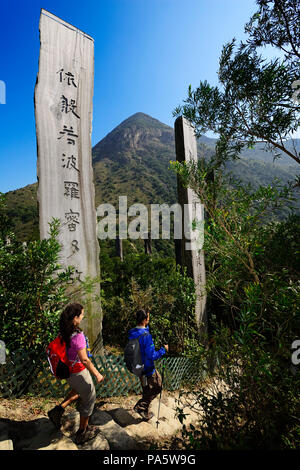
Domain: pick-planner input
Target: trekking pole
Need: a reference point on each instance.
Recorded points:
(162, 381)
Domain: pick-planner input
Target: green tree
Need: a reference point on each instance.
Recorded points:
(152, 283)
(33, 291)
(255, 100)
(276, 23)
(250, 396)
(250, 399)
(34, 287)
(240, 221)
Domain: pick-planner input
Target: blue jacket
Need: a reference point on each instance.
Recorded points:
(148, 353)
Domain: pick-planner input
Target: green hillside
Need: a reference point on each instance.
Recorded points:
(133, 161)
(22, 208)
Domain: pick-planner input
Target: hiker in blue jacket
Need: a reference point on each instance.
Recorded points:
(151, 380)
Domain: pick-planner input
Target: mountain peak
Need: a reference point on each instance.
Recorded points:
(133, 134)
(140, 119)
(139, 115)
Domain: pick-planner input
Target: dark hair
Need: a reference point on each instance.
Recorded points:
(141, 315)
(66, 327)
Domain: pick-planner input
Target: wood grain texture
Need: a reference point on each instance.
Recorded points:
(189, 249)
(63, 111)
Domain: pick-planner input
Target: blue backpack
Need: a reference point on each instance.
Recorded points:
(88, 350)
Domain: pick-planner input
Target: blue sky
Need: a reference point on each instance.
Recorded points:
(147, 52)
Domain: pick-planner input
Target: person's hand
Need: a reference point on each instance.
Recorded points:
(99, 378)
(166, 347)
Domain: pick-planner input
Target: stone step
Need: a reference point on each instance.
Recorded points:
(115, 434)
(6, 445)
(121, 428)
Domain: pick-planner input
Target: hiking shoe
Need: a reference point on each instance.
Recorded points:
(136, 409)
(146, 415)
(82, 436)
(55, 415)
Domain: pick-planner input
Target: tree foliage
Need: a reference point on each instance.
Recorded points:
(276, 23)
(255, 100)
(250, 398)
(34, 288)
(153, 283)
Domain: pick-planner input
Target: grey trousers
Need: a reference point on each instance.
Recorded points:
(83, 384)
(150, 391)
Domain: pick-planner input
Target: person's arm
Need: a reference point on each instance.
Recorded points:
(150, 349)
(82, 354)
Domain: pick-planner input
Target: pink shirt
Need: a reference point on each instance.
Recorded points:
(77, 342)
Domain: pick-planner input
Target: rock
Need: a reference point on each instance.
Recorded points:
(98, 443)
(100, 418)
(168, 424)
(123, 417)
(142, 431)
(168, 401)
(3, 411)
(61, 443)
(189, 406)
(3, 431)
(70, 423)
(6, 445)
(121, 428)
(118, 439)
(42, 435)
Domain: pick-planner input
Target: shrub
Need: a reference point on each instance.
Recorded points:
(155, 284)
(251, 398)
(33, 291)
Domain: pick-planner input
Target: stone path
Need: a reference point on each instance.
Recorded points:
(120, 428)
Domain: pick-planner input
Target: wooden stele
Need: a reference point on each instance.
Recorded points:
(148, 244)
(119, 247)
(192, 259)
(63, 111)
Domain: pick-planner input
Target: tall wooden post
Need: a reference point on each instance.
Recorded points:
(119, 247)
(148, 244)
(63, 111)
(189, 250)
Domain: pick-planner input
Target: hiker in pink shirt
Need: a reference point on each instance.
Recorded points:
(80, 380)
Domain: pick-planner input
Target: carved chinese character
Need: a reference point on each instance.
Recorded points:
(68, 76)
(69, 133)
(68, 106)
(72, 220)
(71, 189)
(75, 246)
(69, 162)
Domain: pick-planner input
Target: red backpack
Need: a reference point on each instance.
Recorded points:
(60, 365)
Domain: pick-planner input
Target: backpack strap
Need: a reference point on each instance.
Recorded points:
(143, 334)
(146, 333)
